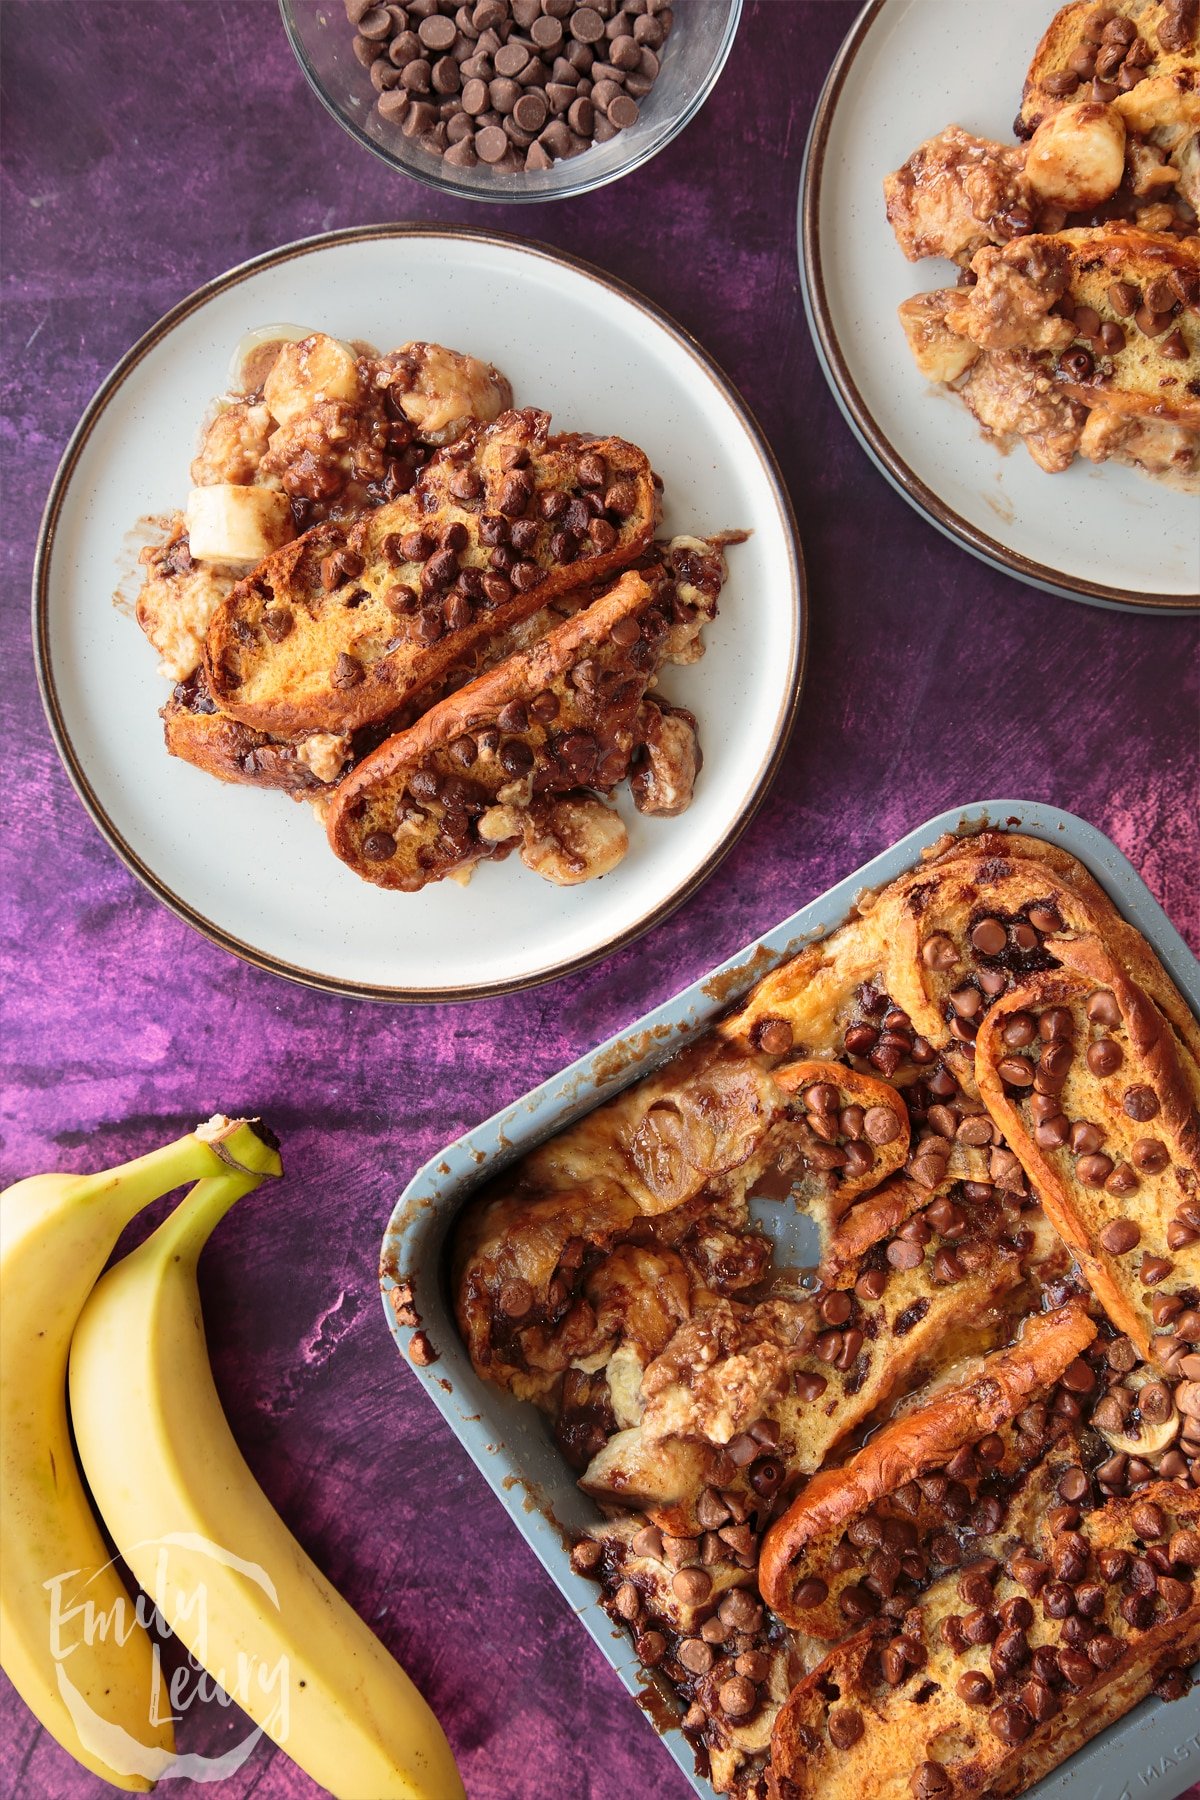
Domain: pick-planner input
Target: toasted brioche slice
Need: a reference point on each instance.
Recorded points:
(340, 628)
(855, 1133)
(463, 783)
(199, 732)
(1111, 310)
(1146, 285)
(1137, 55)
(915, 1478)
(1087, 1080)
(504, 761)
(984, 915)
(995, 1715)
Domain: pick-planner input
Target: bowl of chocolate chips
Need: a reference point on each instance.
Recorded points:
(513, 99)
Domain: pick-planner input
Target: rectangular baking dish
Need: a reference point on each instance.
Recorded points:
(1152, 1754)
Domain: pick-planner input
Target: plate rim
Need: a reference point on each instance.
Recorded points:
(849, 397)
(43, 651)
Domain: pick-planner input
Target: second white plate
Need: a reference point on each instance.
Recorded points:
(1104, 534)
(251, 868)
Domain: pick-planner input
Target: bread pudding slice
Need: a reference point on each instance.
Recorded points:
(340, 628)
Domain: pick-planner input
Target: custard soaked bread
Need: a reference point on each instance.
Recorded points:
(1140, 56)
(1098, 1098)
(1002, 1671)
(1075, 325)
(918, 1479)
(310, 764)
(923, 1447)
(517, 758)
(340, 628)
(1084, 342)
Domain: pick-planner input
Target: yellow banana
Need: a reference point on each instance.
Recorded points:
(69, 1638)
(205, 1543)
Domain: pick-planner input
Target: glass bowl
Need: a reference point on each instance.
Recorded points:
(699, 42)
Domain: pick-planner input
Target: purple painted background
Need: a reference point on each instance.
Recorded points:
(146, 148)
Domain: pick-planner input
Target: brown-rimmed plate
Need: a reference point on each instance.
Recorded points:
(1104, 534)
(251, 869)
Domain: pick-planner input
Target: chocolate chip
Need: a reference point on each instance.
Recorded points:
(809, 1593)
(692, 1586)
(845, 1727)
(989, 937)
(1119, 1235)
(1010, 1723)
(974, 1688)
(1149, 1155)
(1104, 1057)
(587, 25)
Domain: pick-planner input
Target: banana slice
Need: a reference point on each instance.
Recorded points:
(1156, 1428)
(228, 524)
(1077, 156)
(575, 839)
(305, 373)
(939, 353)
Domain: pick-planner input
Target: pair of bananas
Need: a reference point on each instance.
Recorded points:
(180, 1503)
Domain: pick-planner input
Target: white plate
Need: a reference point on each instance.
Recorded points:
(252, 868)
(1102, 533)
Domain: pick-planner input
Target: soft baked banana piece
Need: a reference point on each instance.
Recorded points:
(1077, 156)
(862, 1534)
(340, 628)
(230, 524)
(1133, 54)
(1094, 1093)
(950, 1707)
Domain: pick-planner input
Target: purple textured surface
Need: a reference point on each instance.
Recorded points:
(146, 148)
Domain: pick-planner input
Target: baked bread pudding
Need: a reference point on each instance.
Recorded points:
(923, 1517)
(441, 622)
(1074, 325)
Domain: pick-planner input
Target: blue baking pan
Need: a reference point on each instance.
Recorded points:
(1153, 1753)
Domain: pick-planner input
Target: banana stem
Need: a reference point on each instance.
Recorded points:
(187, 1159)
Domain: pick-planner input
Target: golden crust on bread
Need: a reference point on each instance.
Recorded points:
(854, 1726)
(1140, 377)
(1087, 1080)
(340, 628)
(479, 771)
(795, 1572)
(1162, 38)
(198, 732)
